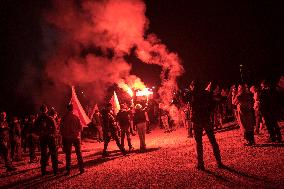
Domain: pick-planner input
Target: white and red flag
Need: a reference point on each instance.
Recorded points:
(115, 103)
(78, 109)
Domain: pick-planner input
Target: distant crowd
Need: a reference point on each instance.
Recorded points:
(199, 110)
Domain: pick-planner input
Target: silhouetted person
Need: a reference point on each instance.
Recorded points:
(5, 142)
(269, 107)
(46, 130)
(15, 139)
(70, 130)
(256, 106)
(97, 123)
(32, 139)
(24, 136)
(202, 106)
(123, 119)
(109, 129)
(132, 127)
(140, 122)
(58, 138)
(244, 102)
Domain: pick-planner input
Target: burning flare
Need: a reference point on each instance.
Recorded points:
(144, 92)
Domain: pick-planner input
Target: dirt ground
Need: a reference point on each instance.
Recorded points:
(169, 162)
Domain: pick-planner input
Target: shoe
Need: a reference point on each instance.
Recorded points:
(124, 152)
(67, 173)
(200, 167)
(105, 154)
(131, 149)
(221, 166)
(35, 160)
(11, 168)
(270, 141)
(18, 159)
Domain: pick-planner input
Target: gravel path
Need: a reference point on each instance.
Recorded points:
(168, 163)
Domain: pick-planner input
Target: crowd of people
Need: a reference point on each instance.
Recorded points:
(200, 109)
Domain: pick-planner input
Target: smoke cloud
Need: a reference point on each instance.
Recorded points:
(94, 37)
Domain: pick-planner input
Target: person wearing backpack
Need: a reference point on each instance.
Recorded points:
(46, 130)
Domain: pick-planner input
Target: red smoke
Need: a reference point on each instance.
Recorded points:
(108, 25)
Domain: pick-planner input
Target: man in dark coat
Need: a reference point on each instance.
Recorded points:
(45, 128)
(269, 108)
(109, 129)
(32, 139)
(97, 124)
(5, 142)
(70, 130)
(15, 139)
(123, 119)
(202, 106)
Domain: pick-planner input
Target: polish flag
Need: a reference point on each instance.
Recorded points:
(78, 109)
(115, 103)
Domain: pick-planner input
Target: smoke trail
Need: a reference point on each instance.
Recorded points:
(94, 37)
(152, 51)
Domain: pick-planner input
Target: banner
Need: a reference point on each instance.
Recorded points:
(115, 103)
(78, 109)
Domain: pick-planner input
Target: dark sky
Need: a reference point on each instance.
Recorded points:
(212, 39)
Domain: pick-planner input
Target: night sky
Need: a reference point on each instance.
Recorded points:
(212, 40)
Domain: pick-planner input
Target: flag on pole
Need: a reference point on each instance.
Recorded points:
(115, 103)
(78, 109)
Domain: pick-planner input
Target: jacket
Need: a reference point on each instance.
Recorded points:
(70, 126)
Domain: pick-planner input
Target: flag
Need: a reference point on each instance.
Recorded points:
(208, 88)
(78, 109)
(115, 103)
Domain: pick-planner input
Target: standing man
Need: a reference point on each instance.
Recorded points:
(5, 142)
(97, 122)
(269, 108)
(109, 129)
(202, 106)
(32, 139)
(46, 130)
(131, 114)
(71, 129)
(244, 102)
(256, 105)
(15, 139)
(123, 119)
(140, 122)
